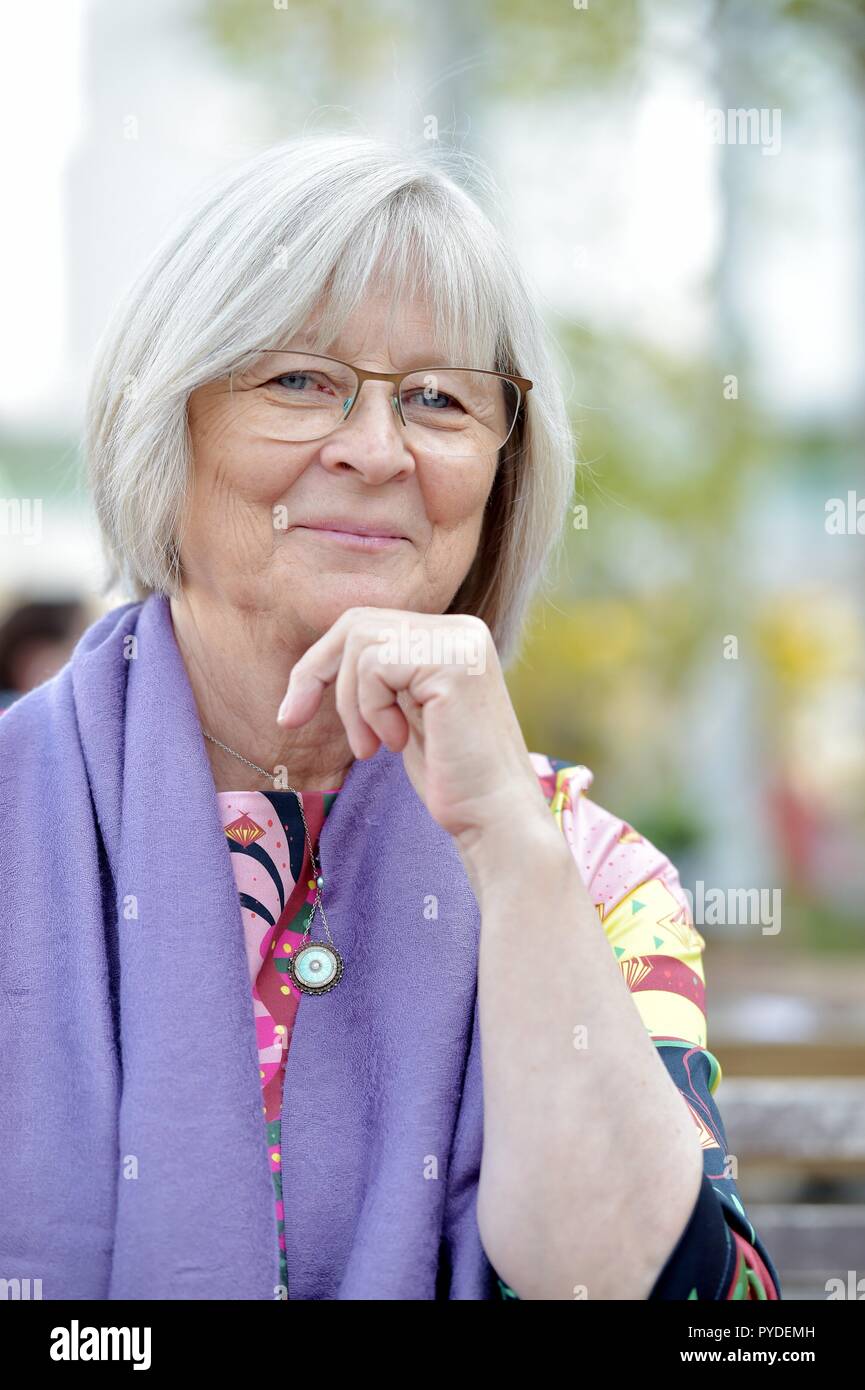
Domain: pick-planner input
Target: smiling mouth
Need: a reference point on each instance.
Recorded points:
(354, 540)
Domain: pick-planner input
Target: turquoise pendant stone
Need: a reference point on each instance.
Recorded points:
(316, 968)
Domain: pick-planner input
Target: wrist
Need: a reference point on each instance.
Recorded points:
(522, 839)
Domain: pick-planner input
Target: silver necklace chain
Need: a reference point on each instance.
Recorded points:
(316, 873)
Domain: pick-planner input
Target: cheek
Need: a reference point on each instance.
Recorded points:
(455, 496)
(231, 464)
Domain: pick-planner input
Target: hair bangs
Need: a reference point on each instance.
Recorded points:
(407, 248)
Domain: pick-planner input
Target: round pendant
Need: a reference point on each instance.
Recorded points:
(316, 968)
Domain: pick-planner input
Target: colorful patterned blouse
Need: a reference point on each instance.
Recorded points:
(646, 919)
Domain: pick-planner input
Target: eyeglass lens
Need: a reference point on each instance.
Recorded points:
(300, 397)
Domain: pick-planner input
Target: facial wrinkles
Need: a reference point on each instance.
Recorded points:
(442, 506)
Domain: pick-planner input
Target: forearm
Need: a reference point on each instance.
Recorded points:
(591, 1163)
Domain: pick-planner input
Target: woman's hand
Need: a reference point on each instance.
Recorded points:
(431, 687)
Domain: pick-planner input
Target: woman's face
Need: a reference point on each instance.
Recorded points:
(250, 539)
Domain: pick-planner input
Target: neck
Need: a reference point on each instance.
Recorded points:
(238, 664)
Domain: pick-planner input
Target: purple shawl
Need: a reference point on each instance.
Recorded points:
(133, 1156)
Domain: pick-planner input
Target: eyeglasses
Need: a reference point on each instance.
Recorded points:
(299, 397)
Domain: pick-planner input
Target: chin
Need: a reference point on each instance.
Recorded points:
(334, 595)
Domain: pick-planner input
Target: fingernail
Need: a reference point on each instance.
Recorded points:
(283, 709)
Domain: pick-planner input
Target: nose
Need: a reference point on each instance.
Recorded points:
(371, 439)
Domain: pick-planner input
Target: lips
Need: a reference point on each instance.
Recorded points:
(361, 542)
(354, 528)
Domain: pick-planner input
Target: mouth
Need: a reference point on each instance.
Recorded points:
(353, 537)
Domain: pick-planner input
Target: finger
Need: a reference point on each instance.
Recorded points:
(412, 709)
(301, 700)
(316, 669)
(380, 685)
(363, 740)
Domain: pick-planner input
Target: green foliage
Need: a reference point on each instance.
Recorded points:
(514, 48)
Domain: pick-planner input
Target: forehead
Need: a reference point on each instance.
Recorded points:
(395, 324)
(381, 327)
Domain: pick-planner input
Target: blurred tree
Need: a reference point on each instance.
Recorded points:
(523, 50)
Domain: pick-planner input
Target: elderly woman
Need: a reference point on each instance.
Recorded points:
(317, 983)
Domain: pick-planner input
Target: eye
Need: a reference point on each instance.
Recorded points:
(302, 383)
(435, 400)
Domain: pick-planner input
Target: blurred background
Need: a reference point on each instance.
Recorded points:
(684, 185)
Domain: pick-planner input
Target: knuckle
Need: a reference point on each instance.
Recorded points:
(369, 658)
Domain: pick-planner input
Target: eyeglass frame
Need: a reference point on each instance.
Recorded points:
(522, 383)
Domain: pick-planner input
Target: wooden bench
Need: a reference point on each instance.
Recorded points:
(801, 1127)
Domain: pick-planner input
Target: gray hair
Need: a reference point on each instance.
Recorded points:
(305, 224)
